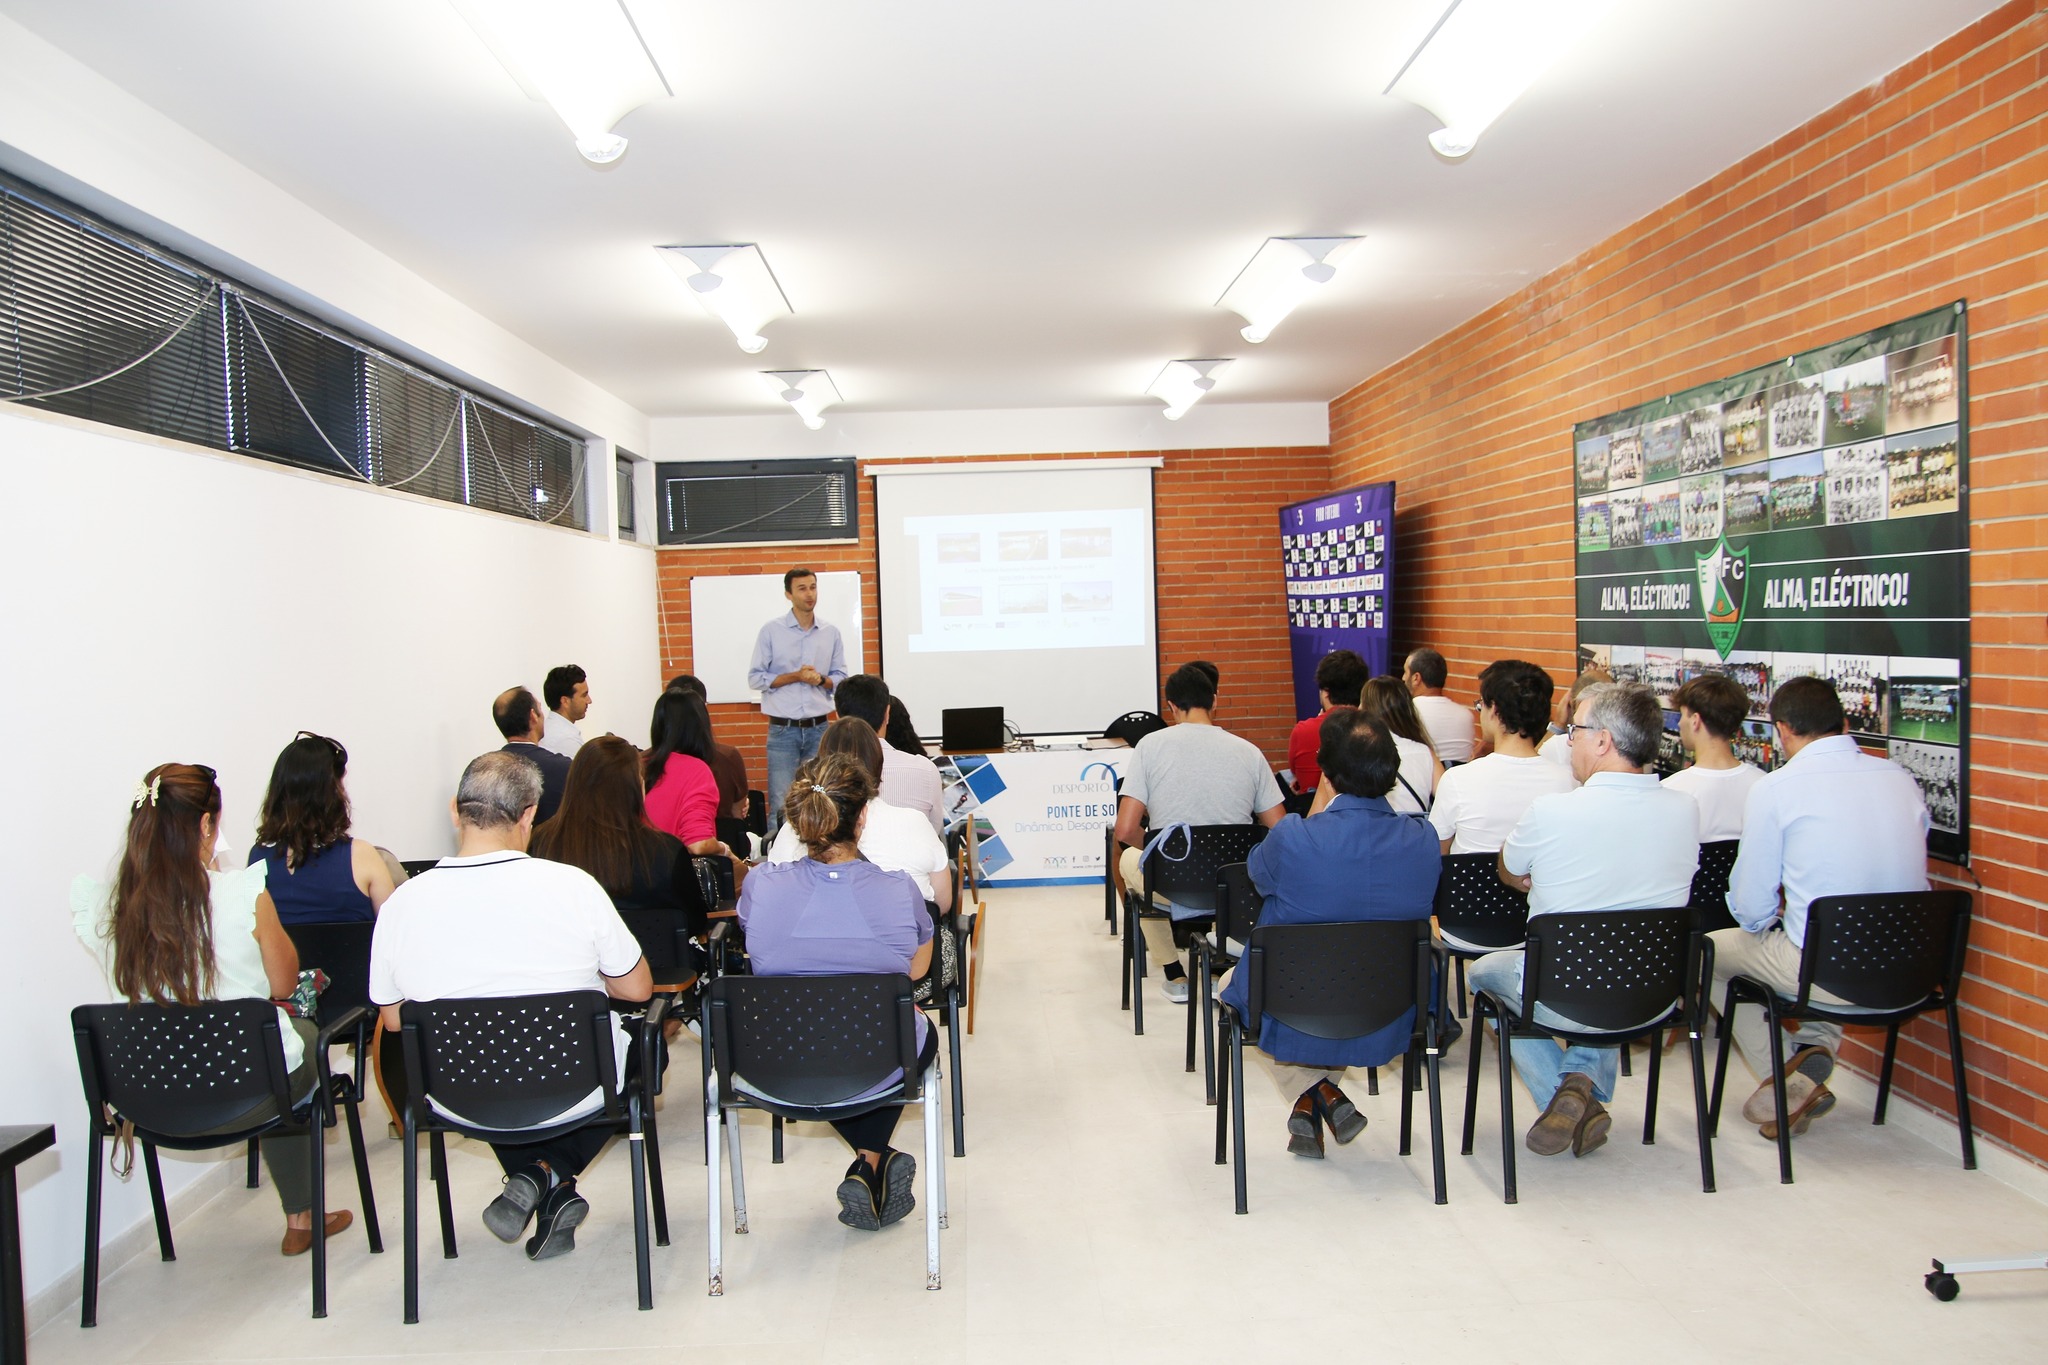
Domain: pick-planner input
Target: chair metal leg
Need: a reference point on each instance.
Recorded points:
(636, 1141)
(739, 1173)
(437, 1145)
(657, 1192)
(1884, 1072)
(1778, 1094)
(1408, 1068)
(1436, 1127)
(1627, 1068)
(713, 1213)
(316, 1135)
(1699, 1110)
(1223, 1090)
(1237, 1119)
(362, 1165)
(1472, 1068)
(1461, 987)
(1138, 968)
(1208, 1033)
(255, 1179)
(1126, 951)
(1507, 1108)
(1372, 1080)
(1725, 1035)
(1955, 1062)
(164, 1246)
(933, 1156)
(959, 1088)
(89, 1280)
(410, 1160)
(1198, 986)
(775, 1140)
(1650, 1090)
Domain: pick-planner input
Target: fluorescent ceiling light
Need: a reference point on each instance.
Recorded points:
(584, 57)
(1280, 275)
(808, 391)
(734, 285)
(1183, 382)
(1482, 55)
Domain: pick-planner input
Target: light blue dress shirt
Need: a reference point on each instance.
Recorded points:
(783, 647)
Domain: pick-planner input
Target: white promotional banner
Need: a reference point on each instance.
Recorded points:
(1042, 812)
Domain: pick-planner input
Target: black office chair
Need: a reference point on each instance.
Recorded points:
(1132, 726)
(1622, 975)
(342, 950)
(176, 1070)
(1476, 912)
(664, 938)
(1710, 886)
(1892, 956)
(806, 1047)
(509, 1066)
(1237, 913)
(1336, 981)
(414, 866)
(1182, 867)
(757, 813)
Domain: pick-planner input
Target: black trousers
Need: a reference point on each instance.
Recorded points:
(569, 1153)
(870, 1132)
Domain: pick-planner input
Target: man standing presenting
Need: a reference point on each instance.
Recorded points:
(798, 661)
(566, 690)
(1832, 821)
(1450, 725)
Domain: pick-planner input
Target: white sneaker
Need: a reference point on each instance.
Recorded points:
(1175, 990)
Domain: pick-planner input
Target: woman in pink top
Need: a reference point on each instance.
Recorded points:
(682, 794)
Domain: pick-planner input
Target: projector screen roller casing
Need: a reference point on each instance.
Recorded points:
(1027, 587)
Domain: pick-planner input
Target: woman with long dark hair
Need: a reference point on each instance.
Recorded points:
(602, 828)
(174, 932)
(318, 873)
(1388, 702)
(902, 732)
(682, 793)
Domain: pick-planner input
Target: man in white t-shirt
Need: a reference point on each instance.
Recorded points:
(1194, 772)
(566, 690)
(1711, 709)
(909, 781)
(1449, 724)
(892, 837)
(1478, 803)
(491, 921)
(1618, 842)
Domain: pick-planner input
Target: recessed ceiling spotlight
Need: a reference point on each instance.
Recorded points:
(584, 57)
(1481, 56)
(810, 392)
(1280, 274)
(1184, 383)
(734, 284)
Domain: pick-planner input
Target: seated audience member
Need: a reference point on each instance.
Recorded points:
(1617, 842)
(518, 717)
(1449, 724)
(567, 693)
(1355, 860)
(1711, 709)
(682, 793)
(902, 731)
(1339, 676)
(834, 913)
(910, 781)
(728, 765)
(602, 828)
(172, 931)
(892, 838)
(1391, 708)
(1557, 747)
(1831, 821)
(512, 925)
(317, 873)
(1193, 772)
(1211, 672)
(1479, 802)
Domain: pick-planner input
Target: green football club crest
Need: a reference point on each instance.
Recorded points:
(1724, 590)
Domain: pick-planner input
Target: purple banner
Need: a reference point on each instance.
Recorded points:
(1337, 552)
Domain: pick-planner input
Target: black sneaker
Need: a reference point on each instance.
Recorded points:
(899, 1176)
(506, 1215)
(858, 1205)
(560, 1214)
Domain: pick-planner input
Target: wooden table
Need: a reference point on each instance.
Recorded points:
(17, 1144)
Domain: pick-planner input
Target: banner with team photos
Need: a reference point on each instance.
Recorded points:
(1338, 555)
(1805, 517)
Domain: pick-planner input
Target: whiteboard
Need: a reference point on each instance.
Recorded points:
(727, 612)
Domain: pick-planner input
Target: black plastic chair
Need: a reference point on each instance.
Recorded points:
(415, 866)
(664, 938)
(1709, 899)
(806, 1046)
(509, 1065)
(1622, 975)
(1336, 981)
(1132, 726)
(717, 881)
(1109, 857)
(1893, 956)
(757, 812)
(342, 950)
(176, 1070)
(949, 995)
(1476, 912)
(1182, 868)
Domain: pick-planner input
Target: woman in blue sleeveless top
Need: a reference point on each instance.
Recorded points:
(318, 874)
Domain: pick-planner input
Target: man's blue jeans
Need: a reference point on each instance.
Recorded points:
(1540, 1063)
(789, 748)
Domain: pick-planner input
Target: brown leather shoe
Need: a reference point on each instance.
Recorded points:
(1817, 1102)
(1555, 1129)
(299, 1241)
(1338, 1111)
(1592, 1129)
(1305, 1128)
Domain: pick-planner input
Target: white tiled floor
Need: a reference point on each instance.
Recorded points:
(1089, 1222)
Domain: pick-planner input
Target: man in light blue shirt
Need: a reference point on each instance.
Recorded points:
(798, 661)
(1833, 821)
(1621, 841)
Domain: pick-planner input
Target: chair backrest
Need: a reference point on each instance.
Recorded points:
(1474, 906)
(1237, 902)
(1888, 951)
(1132, 726)
(664, 938)
(1607, 969)
(1297, 803)
(1338, 980)
(757, 812)
(342, 950)
(414, 866)
(181, 1069)
(1710, 885)
(813, 1041)
(513, 1061)
(715, 880)
(1184, 866)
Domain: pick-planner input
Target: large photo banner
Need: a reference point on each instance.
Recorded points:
(1338, 553)
(1805, 518)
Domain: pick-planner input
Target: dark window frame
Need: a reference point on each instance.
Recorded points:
(759, 501)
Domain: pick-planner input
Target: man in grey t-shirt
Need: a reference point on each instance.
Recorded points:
(1193, 772)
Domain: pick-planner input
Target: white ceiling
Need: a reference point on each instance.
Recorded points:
(982, 203)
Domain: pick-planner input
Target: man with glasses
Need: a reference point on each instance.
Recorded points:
(1619, 842)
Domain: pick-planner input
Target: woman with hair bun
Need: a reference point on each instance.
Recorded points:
(173, 931)
(318, 874)
(831, 914)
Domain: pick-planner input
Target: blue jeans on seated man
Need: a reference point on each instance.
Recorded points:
(1540, 1063)
(789, 748)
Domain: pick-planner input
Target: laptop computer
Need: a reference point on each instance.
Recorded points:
(971, 729)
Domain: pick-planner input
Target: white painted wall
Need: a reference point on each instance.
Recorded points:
(168, 603)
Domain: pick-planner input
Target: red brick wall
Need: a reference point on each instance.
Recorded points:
(1924, 188)
(1217, 545)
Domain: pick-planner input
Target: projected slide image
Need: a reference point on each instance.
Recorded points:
(1014, 547)
(1087, 542)
(1039, 580)
(1024, 599)
(960, 602)
(1087, 597)
(960, 549)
